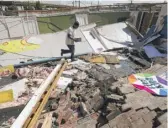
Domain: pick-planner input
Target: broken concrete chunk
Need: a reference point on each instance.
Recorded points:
(163, 125)
(70, 72)
(81, 65)
(115, 97)
(83, 109)
(98, 103)
(147, 100)
(111, 59)
(125, 107)
(125, 90)
(89, 124)
(22, 72)
(140, 61)
(111, 107)
(105, 66)
(91, 82)
(81, 76)
(113, 114)
(53, 106)
(68, 113)
(105, 126)
(163, 118)
(149, 116)
(100, 74)
(133, 119)
(96, 92)
(74, 98)
(137, 123)
(63, 82)
(113, 88)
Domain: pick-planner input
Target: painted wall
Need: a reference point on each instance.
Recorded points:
(107, 18)
(61, 21)
(65, 21)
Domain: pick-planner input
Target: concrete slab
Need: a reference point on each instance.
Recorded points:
(163, 118)
(125, 90)
(116, 35)
(94, 42)
(141, 99)
(133, 119)
(51, 47)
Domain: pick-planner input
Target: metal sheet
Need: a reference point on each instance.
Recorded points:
(152, 52)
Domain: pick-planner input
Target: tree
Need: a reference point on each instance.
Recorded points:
(38, 5)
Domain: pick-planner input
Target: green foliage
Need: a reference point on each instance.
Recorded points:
(12, 7)
(38, 5)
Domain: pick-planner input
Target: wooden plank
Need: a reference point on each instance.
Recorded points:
(47, 121)
(45, 98)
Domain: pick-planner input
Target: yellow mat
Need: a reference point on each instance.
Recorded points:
(17, 46)
(6, 96)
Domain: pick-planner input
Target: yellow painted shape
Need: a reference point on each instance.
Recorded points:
(6, 96)
(17, 46)
(6, 70)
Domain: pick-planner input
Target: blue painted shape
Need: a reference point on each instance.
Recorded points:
(163, 92)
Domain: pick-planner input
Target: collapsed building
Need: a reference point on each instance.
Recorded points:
(118, 80)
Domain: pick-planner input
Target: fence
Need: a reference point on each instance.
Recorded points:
(17, 26)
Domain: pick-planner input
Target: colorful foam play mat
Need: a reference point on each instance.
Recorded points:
(150, 83)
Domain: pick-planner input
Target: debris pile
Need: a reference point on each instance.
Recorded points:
(102, 97)
(95, 92)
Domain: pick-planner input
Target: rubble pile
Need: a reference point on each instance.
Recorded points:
(35, 74)
(31, 78)
(101, 97)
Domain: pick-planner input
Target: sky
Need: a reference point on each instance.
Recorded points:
(93, 2)
(101, 2)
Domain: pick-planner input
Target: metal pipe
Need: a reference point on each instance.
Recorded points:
(45, 60)
(43, 101)
(25, 114)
